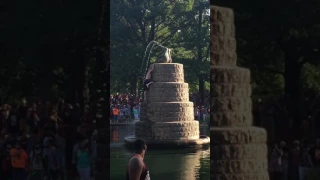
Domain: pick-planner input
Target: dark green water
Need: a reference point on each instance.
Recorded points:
(179, 164)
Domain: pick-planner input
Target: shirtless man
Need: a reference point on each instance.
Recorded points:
(148, 81)
(136, 168)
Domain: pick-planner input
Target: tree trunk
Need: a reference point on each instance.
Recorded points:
(102, 165)
(86, 79)
(292, 89)
(199, 48)
(133, 88)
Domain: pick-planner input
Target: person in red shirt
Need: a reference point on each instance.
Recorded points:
(115, 112)
(19, 159)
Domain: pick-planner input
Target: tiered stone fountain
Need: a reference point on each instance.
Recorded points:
(167, 117)
(238, 150)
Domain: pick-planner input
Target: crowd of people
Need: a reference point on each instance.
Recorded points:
(125, 108)
(294, 161)
(38, 141)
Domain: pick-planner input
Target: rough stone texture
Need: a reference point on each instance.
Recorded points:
(168, 92)
(231, 118)
(167, 111)
(171, 116)
(222, 104)
(238, 150)
(221, 15)
(168, 130)
(237, 135)
(227, 44)
(168, 72)
(231, 90)
(223, 29)
(222, 74)
(168, 114)
(243, 166)
(143, 111)
(250, 176)
(223, 57)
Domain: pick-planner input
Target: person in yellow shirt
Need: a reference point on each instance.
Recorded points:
(19, 159)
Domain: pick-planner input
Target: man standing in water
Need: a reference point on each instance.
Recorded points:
(136, 168)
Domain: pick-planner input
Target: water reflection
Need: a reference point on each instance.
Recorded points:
(182, 164)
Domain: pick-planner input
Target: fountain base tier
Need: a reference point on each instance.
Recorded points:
(201, 141)
(186, 130)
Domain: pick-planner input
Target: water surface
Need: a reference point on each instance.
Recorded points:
(174, 164)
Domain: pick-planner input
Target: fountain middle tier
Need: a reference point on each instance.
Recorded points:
(167, 111)
(168, 92)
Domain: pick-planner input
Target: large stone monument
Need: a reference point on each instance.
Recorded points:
(168, 114)
(238, 150)
(167, 117)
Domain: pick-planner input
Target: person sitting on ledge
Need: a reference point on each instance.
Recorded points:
(148, 81)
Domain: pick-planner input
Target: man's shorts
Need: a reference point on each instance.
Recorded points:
(147, 81)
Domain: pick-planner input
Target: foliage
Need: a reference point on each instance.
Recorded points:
(47, 46)
(172, 23)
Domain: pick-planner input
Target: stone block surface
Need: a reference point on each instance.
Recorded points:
(222, 58)
(231, 118)
(167, 107)
(227, 44)
(221, 15)
(168, 92)
(170, 116)
(239, 151)
(168, 130)
(223, 29)
(224, 74)
(249, 176)
(237, 135)
(168, 72)
(223, 104)
(231, 90)
(243, 166)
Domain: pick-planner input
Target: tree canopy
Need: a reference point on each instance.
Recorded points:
(49, 46)
(180, 25)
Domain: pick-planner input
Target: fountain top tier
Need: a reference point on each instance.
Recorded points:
(168, 72)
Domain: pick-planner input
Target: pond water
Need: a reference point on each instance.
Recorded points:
(174, 164)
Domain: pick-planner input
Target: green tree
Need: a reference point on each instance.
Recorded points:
(174, 24)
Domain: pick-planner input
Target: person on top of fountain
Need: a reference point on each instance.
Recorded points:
(148, 81)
